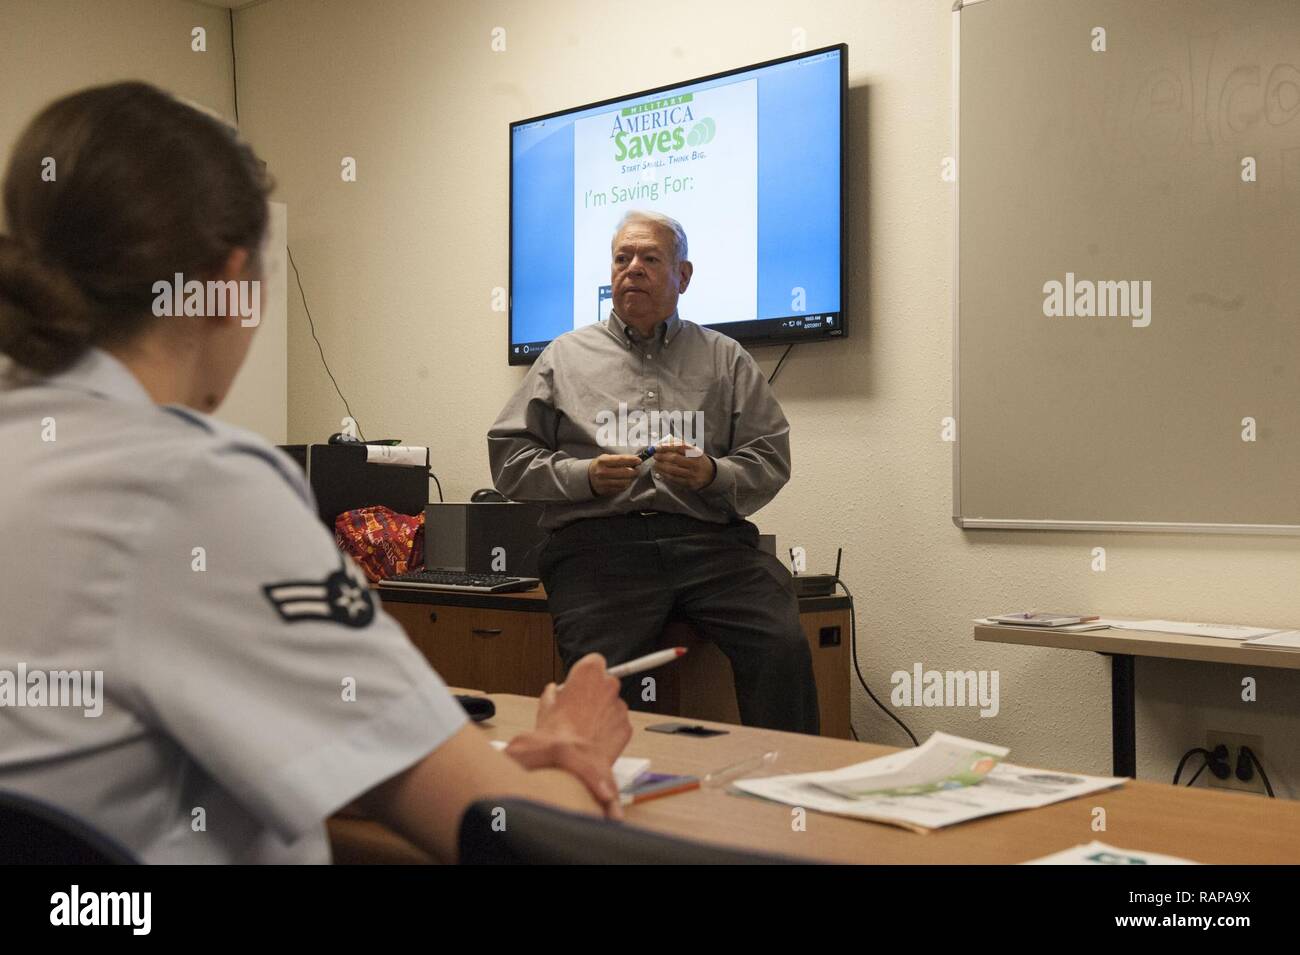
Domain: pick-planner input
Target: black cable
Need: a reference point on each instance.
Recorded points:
(437, 482)
(1262, 775)
(234, 69)
(1188, 755)
(853, 731)
(1198, 772)
(318, 344)
(853, 648)
(780, 363)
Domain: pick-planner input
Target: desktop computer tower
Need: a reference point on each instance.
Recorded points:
(486, 538)
(342, 479)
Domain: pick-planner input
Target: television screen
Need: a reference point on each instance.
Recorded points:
(751, 162)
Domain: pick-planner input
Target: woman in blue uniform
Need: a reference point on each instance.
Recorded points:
(205, 677)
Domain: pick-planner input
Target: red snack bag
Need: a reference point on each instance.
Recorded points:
(381, 541)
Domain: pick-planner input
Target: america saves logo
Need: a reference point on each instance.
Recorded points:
(659, 126)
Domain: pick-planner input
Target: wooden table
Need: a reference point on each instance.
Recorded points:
(1122, 646)
(1199, 824)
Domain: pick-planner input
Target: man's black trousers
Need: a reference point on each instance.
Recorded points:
(613, 582)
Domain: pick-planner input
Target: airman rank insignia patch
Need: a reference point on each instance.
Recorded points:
(342, 597)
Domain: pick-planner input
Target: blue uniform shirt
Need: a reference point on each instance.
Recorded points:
(249, 683)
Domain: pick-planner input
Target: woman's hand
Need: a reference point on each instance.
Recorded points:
(582, 727)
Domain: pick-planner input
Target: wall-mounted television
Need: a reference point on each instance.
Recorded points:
(750, 161)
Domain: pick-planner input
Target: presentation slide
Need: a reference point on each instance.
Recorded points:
(693, 157)
(749, 163)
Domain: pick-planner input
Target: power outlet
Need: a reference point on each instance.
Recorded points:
(1234, 742)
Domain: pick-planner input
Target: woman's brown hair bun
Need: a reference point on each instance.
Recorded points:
(45, 320)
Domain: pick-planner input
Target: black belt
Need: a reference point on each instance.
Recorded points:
(638, 525)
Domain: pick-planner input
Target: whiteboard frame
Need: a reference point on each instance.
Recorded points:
(1046, 523)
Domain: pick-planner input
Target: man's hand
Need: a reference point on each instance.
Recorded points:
(581, 728)
(684, 465)
(611, 474)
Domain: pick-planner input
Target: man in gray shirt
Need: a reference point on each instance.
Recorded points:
(635, 539)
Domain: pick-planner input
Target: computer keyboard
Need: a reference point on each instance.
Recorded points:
(459, 580)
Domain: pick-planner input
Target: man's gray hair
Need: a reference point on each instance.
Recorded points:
(680, 250)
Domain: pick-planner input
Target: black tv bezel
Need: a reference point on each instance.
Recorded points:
(777, 337)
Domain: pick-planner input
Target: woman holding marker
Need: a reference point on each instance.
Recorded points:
(247, 671)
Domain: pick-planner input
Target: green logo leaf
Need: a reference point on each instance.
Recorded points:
(702, 132)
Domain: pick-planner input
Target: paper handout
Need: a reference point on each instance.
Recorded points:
(945, 798)
(941, 762)
(1225, 631)
(1098, 853)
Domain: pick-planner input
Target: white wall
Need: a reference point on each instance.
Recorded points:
(399, 269)
(49, 48)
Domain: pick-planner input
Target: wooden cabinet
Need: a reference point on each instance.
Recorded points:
(503, 643)
(496, 651)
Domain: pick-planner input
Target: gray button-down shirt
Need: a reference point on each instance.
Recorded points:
(605, 389)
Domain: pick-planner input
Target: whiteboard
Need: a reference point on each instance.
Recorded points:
(1127, 265)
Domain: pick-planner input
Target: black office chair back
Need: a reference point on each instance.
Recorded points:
(33, 832)
(519, 832)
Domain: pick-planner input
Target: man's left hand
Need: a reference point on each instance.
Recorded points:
(684, 465)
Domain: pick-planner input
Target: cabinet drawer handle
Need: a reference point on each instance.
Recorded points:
(487, 631)
(433, 616)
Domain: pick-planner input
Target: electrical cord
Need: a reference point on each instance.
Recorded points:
(1268, 786)
(1195, 751)
(312, 325)
(853, 649)
(1198, 773)
(780, 363)
(319, 348)
(1217, 761)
